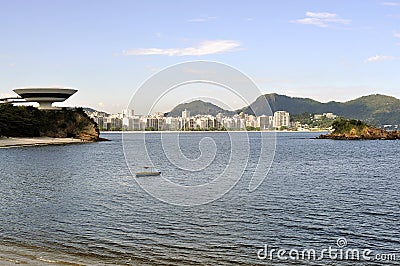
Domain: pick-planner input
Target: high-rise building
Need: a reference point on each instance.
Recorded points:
(172, 123)
(127, 113)
(134, 123)
(265, 122)
(219, 117)
(281, 119)
(185, 114)
(152, 123)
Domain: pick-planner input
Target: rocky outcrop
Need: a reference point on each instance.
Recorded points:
(21, 121)
(75, 124)
(357, 130)
(89, 134)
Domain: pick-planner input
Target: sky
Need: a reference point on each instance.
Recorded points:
(325, 50)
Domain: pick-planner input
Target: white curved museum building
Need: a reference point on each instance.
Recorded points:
(45, 96)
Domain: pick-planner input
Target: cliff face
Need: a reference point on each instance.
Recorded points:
(88, 130)
(74, 124)
(21, 121)
(357, 130)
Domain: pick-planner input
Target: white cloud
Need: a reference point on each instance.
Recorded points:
(321, 15)
(379, 58)
(205, 19)
(391, 3)
(321, 19)
(204, 48)
(396, 34)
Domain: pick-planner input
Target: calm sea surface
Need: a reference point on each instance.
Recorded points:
(79, 204)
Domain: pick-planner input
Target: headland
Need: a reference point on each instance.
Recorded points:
(357, 130)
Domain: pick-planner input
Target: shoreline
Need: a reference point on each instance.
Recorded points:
(13, 142)
(228, 131)
(24, 254)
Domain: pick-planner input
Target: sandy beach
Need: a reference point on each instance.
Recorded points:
(13, 254)
(39, 141)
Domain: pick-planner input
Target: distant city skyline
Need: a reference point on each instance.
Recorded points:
(330, 50)
(127, 120)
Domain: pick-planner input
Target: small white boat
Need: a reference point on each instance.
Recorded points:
(148, 171)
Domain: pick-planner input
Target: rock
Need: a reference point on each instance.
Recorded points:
(26, 121)
(358, 130)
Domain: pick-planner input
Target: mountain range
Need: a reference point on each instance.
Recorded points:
(374, 109)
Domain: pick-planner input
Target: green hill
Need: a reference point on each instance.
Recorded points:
(199, 107)
(27, 121)
(374, 109)
(377, 109)
(345, 129)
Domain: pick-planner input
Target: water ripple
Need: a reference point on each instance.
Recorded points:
(79, 205)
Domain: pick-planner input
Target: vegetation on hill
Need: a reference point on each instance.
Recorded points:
(376, 109)
(282, 103)
(343, 126)
(357, 130)
(311, 121)
(199, 107)
(27, 121)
